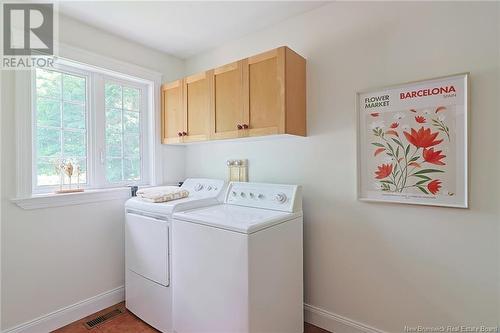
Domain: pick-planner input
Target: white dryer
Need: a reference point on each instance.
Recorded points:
(238, 265)
(148, 287)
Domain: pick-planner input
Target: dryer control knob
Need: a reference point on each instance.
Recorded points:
(198, 187)
(280, 197)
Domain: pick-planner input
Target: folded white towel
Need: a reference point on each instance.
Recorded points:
(162, 193)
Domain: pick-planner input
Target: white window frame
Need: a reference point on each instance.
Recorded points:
(100, 125)
(83, 59)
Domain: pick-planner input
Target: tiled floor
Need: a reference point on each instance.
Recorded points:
(128, 323)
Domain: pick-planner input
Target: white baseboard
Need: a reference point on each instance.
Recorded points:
(335, 323)
(69, 314)
(329, 321)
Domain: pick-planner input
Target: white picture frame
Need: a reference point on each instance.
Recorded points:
(412, 142)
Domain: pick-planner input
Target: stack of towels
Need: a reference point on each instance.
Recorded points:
(162, 193)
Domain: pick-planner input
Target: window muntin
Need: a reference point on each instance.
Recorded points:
(122, 132)
(60, 126)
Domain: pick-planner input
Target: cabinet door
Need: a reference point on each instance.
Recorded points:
(227, 101)
(196, 107)
(266, 93)
(172, 112)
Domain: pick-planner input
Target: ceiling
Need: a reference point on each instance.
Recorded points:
(186, 28)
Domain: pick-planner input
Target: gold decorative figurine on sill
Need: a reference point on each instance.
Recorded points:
(68, 168)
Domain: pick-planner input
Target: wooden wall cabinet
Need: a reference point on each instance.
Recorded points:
(185, 110)
(196, 108)
(227, 101)
(172, 115)
(261, 95)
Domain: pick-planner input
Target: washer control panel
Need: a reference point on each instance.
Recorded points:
(203, 187)
(281, 197)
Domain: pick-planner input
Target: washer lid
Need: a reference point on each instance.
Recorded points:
(236, 218)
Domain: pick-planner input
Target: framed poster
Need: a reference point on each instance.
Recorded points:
(412, 142)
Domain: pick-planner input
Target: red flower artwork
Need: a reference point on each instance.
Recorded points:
(423, 138)
(404, 167)
(406, 159)
(420, 119)
(434, 186)
(433, 157)
(384, 171)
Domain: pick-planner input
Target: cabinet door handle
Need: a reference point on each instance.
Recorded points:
(245, 126)
(179, 134)
(184, 133)
(239, 127)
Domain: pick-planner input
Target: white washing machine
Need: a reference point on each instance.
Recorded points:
(238, 265)
(148, 287)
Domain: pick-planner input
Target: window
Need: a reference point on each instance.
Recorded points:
(60, 124)
(92, 119)
(123, 148)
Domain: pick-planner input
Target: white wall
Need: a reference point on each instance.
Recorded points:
(380, 264)
(118, 47)
(53, 258)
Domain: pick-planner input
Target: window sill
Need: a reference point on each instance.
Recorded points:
(49, 200)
